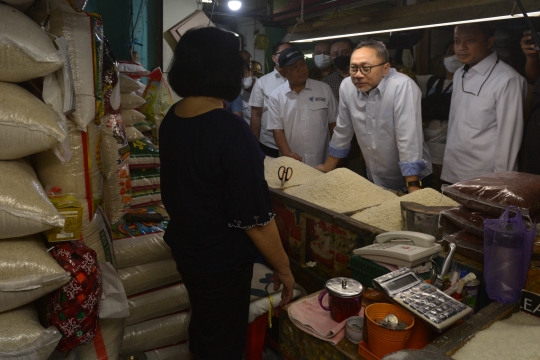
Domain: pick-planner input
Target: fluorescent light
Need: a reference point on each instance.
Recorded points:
(206, 1)
(308, 56)
(531, 14)
(235, 5)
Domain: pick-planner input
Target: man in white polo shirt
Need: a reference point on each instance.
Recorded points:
(259, 107)
(302, 112)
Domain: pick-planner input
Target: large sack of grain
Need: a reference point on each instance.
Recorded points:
(146, 197)
(23, 338)
(28, 125)
(107, 342)
(156, 303)
(302, 173)
(142, 178)
(137, 279)
(117, 195)
(137, 243)
(132, 117)
(131, 101)
(26, 52)
(133, 134)
(81, 175)
(21, 5)
(69, 6)
(115, 150)
(151, 334)
(387, 216)
(83, 32)
(143, 152)
(24, 206)
(173, 352)
(27, 271)
(341, 190)
(128, 84)
(97, 236)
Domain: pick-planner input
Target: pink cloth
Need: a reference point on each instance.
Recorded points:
(308, 316)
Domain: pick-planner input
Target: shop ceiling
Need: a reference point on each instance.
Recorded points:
(323, 18)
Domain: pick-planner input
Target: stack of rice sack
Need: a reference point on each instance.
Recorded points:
(27, 125)
(487, 197)
(158, 99)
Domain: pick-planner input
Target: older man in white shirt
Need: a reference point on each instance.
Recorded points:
(383, 108)
(485, 127)
(302, 112)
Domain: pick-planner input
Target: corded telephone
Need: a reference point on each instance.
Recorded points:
(401, 248)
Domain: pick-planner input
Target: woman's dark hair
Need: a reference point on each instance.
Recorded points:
(207, 63)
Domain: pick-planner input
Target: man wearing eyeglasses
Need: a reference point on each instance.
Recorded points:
(259, 103)
(382, 107)
(485, 126)
(302, 112)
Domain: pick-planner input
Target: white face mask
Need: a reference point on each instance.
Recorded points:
(452, 63)
(322, 61)
(248, 82)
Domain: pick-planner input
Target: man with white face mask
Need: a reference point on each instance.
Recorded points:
(322, 60)
(436, 98)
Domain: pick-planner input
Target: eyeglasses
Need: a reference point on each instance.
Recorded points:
(363, 69)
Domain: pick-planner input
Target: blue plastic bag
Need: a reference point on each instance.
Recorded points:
(507, 255)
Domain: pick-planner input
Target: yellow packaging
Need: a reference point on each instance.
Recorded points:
(533, 280)
(71, 208)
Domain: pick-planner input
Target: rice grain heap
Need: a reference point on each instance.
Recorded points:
(302, 173)
(342, 190)
(387, 216)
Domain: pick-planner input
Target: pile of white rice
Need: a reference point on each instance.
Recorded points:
(302, 173)
(342, 190)
(387, 216)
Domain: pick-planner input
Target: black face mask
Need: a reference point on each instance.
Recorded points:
(341, 62)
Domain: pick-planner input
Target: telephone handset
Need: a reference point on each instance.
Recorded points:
(401, 248)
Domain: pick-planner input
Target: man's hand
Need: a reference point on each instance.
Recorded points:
(287, 280)
(294, 156)
(321, 168)
(527, 46)
(412, 189)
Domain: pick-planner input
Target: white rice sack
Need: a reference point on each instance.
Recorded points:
(143, 126)
(117, 194)
(387, 216)
(145, 198)
(27, 271)
(70, 6)
(302, 173)
(137, 243)
(174, 352)
(157, 303)
(133, 134)
(144, 177)
(107, 342)
(137, 279)
(143, 152)
(127, 67)
(341, 190)
(21, 5)
(81, 175)
(28, 125)
(23, 338)
(26, 52)
(85, 53)
(131, 101)
(131, 117)
(24, 206)
(151, 334)
(97, 236)
(115, 148)
(128, 84)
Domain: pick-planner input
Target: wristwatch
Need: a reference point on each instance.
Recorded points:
(413, 183)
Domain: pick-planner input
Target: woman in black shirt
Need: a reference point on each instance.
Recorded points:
(213, 187)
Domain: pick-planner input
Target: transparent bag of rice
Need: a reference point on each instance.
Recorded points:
(97, 236)
(163, 331)
(106, 344)
(27, 271)
(117, 195)
(156, 303)
(173, 352)
(26, 52)
(28, 125)
(115, 148)
(24, 206)
(23, 338)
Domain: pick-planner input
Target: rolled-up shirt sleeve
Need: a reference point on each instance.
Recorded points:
(256, 99)
(340, 144)
(408, 128)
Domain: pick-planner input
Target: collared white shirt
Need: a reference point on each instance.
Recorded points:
(259, 98)
(485, 128)
(388, 126)
(304, 118)
(246, 109)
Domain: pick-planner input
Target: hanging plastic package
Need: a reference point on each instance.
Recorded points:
(507, 255)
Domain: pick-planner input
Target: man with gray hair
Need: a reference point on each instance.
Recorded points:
(382, 107)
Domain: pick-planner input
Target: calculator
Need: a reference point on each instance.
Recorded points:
(430, 304)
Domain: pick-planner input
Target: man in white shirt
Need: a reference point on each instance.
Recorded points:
(259, 106)
(485, 127)
(382, 107)
(302, 112)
